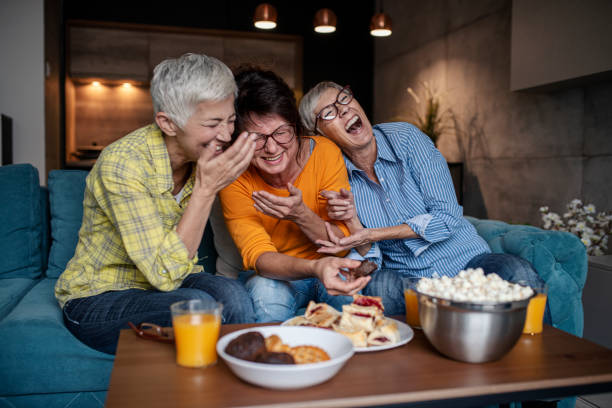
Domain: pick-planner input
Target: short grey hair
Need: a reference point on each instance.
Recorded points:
(309, 103)
(180, 84)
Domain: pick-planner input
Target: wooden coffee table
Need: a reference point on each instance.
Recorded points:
(551, 365)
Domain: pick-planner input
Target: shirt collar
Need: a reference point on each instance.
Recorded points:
(384, 150)
(161, 163)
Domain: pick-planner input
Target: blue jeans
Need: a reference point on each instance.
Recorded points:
(278, 300)
(97, 320)
(511, 268)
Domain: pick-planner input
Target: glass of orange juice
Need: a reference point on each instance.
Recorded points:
(412, 302)
(535, 310)
(196, 326)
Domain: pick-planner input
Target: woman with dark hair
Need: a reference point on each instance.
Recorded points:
(274, 211)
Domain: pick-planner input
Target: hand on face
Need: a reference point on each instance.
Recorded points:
(338, 244)
(284, 208)
(214, 172)
(340, 205)
(328, 271)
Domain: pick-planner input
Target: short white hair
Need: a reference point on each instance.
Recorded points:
(180, 84)
(309, 103)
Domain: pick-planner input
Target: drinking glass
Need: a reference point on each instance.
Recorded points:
(412, 302)
(196, 326)
(535, 310)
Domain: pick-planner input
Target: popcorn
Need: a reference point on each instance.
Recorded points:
(472, 285)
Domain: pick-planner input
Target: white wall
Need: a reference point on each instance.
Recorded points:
(22, 78)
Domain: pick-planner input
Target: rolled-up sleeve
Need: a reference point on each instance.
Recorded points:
(432, 176)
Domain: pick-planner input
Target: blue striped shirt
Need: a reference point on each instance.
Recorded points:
(415, 189)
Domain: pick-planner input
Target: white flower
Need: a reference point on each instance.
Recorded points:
(590, 209)
(586, 241)
(544, 209)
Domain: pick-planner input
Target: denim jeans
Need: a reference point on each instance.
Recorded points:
(511, 268)
(278, 300)
(96, 320)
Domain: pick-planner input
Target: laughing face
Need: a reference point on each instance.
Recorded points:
(350, 129)
(273, 158)
(212, 123)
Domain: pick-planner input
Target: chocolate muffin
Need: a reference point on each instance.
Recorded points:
(271, 357)
(247, 346)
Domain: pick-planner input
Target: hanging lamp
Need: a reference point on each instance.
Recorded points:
(265, 16)
(324, 21)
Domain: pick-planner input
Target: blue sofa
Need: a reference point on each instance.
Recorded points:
(42, 364)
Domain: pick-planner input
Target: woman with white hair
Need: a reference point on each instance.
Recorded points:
(402, 192)
(146, 204)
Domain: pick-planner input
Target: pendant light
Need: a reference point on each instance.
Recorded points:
(324, 21)
(380, 25)
(265, 16)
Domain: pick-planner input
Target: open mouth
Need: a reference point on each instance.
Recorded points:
(273, 158)
(354, 125)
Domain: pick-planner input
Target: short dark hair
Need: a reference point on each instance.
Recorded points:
(263, 92)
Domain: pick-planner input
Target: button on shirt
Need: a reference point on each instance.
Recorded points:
(128, 237)
(415, 189)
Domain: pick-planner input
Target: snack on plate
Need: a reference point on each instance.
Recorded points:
(308, 354)
(247, 346)
(321, 314)
(252, 346)
(359, 338)
(383, 335)
(366, 268)
(362, 321)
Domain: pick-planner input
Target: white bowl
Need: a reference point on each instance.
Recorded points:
(290, 376)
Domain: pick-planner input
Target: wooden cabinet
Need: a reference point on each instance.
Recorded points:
(112, 54)
(108, 53)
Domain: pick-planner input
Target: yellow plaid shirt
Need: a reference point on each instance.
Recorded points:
(128, 236)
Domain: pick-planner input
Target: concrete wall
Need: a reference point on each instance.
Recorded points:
(22, 78)
(520, 150)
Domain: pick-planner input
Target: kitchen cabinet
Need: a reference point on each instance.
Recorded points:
(98, 52)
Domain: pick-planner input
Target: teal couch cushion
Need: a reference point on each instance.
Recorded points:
(20, 222)
(66, 191)
(57, 400)
(11, 292)
(38, 355)
(559, 258)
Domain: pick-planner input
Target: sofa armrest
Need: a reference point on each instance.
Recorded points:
(558, 257)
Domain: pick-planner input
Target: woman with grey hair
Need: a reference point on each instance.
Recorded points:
(146, 204)
(403, 194)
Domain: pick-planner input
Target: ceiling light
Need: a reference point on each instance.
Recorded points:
(265, 16)
(380, 25)
(324, 21)
(95, 83)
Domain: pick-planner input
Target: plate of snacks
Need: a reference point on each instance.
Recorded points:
(362, 321)
(284, 357)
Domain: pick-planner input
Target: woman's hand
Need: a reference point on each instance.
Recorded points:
(337, 244)
(216, 172)
(328, 271)
(340, 205)
(285, 208)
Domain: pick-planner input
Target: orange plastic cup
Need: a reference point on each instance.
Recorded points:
(412, 302)
(535, 311)
(196, 326)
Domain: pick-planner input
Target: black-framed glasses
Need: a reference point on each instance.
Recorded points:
(330, 112)
(282, 135)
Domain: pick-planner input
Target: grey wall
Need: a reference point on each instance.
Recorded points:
(520, 150)
(22, 78)
(545, 51)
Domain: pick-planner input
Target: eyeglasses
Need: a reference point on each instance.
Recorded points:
(282, 135)
(329, 112)
(153, 332)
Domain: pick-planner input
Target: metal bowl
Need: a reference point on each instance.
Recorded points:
(471, 332)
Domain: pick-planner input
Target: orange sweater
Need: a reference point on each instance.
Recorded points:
(255, 233)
